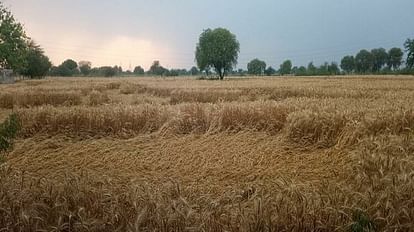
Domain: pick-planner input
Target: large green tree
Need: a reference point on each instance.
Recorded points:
(395, 57)
(380, 57)
(217, 49)
(348, 64)
(286, 67)
(364, 61)
(409, 47)
(37, 64)
(256, 67)
(13, 42)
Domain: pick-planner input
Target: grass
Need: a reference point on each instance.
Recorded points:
(253, 154)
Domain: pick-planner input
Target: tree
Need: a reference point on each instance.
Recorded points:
(364, 61)
(256, 67)
(13, 42)
(311, 70)
(157, 69)
(333, 69)
(70, 64)
(139, 70)
(286, 67)
(348, 64)
(409, 48)
(85, 67)
(395, 56)
(270, 71)
(218, 49)
(67, 69)
(37, 64)
(380, 57)
(301, 71)
(194, 71)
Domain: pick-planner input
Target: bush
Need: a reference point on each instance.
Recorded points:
(8, 131)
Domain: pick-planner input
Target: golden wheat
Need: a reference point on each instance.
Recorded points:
(253, 154)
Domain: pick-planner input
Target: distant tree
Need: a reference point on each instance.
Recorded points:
(108, 71)
(301, 71)
(409, 48)
(217, 49)
(256, 67)
(395, 57)
(380, 57)
(286, 67)
(194, 71)
(13, 42)
(70, 64)
(311, 70)
(85, 67)
(172, 73)
(348, 64)
(333, 69)
(118, 70)
(37, 64)
(364, 61)
(67, 69)
(323, 69)
(270, 71)
(138, 70)
(157, 69)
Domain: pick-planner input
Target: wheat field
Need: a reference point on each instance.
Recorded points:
(180, 154)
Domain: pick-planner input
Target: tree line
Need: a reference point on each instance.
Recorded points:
(216, 53)
(70, 68)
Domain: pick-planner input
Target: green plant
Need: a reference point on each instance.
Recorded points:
(361, 222)
(8, 131)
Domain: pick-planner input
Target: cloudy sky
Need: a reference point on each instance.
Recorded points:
(136, 32)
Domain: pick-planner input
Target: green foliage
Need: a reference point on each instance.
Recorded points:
(311, 70)
(409, 47)
(67, 69)
(157, 69)
(286, 67)
(348, 64)
(256, 67)
(301, 71)
(85, 67)
(395, 56)
(139, 70)
(270, 71)
(8, 131)
(194, 71)
(217, 49)
(13, 42)
(362, 223)
(38, 64)
(364, 62)
(380, 57)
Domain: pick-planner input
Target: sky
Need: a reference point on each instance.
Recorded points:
(137, 32)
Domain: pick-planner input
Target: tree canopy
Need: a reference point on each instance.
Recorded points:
(395, 56)
(256, 67)
(286, 67)
(217, 49)
(138, 70)
(13, 41)
(37, 64)
(409, 47)
(348, 64)
(85, 67)
(364, 61)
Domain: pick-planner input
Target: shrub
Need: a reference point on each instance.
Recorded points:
(8, 131)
